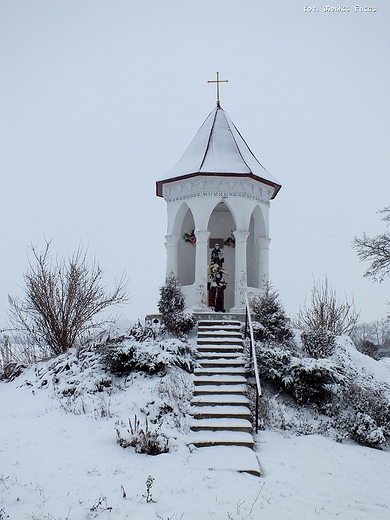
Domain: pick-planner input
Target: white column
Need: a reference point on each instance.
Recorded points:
(200, 285)
(263, 273)
(172, 246)
(240, 271)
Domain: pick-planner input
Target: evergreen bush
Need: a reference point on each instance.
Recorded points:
(270, 321)
(307, 380)
(171, 306)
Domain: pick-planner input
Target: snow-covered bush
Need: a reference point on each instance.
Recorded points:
(150, 356)
(318, 343)
(363, 412)
(305, 379)
(171, 306)
(270, 323)
(143, 438)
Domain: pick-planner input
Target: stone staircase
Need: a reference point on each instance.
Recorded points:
(221, 416)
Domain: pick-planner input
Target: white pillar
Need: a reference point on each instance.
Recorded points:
(172, 246)
(240, 271)
(200, 285)
(263, 273)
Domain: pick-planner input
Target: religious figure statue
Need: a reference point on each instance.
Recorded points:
(217, 256)
(219, 292)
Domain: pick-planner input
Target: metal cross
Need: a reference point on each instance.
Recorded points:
(218, 81)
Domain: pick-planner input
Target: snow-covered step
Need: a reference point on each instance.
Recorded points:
(242, 425)
(219, 334)
(219, 389)
(220, 400)
(221, 362)
(221, 438)
(220, 408)
(225, 324)
(233, 458)
(219, 379)
(218, 355)
(221, 349)
(219, 341)
(208, 412)
(211, 371)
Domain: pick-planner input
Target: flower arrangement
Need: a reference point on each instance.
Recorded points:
(190, 237)
(230, 241)
(214, 269)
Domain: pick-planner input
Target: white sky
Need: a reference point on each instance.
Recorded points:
(98, 99)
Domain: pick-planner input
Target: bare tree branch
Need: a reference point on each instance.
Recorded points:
(376, 250)
(326, 311)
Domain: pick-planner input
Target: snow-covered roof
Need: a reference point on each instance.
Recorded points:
(218, 149)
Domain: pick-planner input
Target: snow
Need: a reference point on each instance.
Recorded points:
(59, 459)
(218, 147)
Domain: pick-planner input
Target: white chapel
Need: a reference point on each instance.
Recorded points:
(218, 198)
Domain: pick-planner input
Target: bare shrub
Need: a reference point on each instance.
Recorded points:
(326, 311)
(61, 300)
(143, 438)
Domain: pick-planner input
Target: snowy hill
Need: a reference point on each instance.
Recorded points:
(60, 460)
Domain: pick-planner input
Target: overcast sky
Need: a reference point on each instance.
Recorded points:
(100, 98)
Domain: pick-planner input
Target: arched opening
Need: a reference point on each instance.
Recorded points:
(253, 252)
(186, 250)
(221, 224)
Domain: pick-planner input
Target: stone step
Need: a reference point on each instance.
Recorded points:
(219, 379)
(222, 362)
(218, 355)
(221, 349)
(219, 341)
(212, 438)
(220, 400)
(226, 458)
(223, 424)
(225, 324)
(220, 412)
(219, 334)
(211, 371)
(220, 389)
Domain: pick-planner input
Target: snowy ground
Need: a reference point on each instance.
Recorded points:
(60, 465)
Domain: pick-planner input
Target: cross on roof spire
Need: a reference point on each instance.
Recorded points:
(218, 81)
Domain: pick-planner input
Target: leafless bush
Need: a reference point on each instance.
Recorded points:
(61, 300)
(326, 311)
(143, 439)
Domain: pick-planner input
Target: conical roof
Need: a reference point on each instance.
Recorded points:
(218, 149)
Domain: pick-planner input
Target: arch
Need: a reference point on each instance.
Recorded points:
(184, 223)
(257, 230)
(220, 225)
(181, 213)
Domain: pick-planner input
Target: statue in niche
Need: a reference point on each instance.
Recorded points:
(220, 286)
(217, 256)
